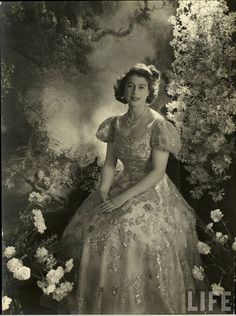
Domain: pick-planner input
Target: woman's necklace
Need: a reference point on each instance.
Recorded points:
(132, 123)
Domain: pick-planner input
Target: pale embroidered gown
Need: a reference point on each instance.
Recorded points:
(137, 261)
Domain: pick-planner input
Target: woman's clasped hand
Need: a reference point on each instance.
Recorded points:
(110, 204)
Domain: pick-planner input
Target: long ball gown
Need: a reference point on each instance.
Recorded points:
(139, 260)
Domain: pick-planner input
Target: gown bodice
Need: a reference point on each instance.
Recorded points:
(135, 151)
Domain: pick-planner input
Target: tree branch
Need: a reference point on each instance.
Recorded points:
(144, 15)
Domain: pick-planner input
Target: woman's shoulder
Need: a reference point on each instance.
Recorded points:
(104, 129)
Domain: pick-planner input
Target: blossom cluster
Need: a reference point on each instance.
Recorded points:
(6, 301)
(204, 249)
(217, 289)
(39, 251)
(202, 97)
(52, 285)
(43, 256)
(9, 252)
(221, 238)
(216, 215)
(39, 222)
(20, 272)
(35, 197)
(198, 273)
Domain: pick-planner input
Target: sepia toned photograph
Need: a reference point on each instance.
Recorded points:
(118, 157)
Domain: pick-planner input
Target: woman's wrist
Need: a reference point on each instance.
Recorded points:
(125, 195)
(103, 190)
(129, 193)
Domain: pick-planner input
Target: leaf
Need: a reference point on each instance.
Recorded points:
(203, 105)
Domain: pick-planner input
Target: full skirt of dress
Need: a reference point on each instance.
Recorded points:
(135, 260)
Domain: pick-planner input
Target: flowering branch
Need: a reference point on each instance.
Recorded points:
(203, 93)
(211, 248)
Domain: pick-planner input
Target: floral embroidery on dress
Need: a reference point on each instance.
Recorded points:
(148, 207)
(136, 260)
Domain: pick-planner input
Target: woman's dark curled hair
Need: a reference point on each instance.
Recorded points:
(150, 73)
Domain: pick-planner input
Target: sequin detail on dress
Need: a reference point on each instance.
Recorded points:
(139, 260)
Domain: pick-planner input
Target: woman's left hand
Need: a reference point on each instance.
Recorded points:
(113, 203)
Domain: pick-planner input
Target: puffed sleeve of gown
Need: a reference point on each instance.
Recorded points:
(105, 131)
(165, 137)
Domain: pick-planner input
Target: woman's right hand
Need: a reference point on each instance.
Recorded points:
(104, 196)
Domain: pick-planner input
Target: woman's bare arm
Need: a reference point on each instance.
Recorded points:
(108, 170)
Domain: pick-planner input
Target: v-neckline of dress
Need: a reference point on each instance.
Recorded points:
(136, 136)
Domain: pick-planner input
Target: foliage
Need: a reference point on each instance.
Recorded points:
(203, 107)
(49, 171)
(6, 79)
(31, 250)
(50, 40)
(53, 35)
(218, 254)
(30, 253)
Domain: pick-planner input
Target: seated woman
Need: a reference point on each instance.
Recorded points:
(134, 240)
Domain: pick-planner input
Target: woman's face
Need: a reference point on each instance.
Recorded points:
(136, 90)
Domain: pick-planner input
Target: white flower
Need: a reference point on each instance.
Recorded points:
(217, 289)
(22, 273)
(58, 296)
(49, 289)
(198, 273)
(19, 271)
(6, 301)
(216, 215)
(14, 264)
(9, 252)
(203, 248)
(41, 254)
(54, 276)
(35, 197)
(39, 222)
(69, 265)
(209, 226)
(234, 244)
(221, 238)
(62, 291)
